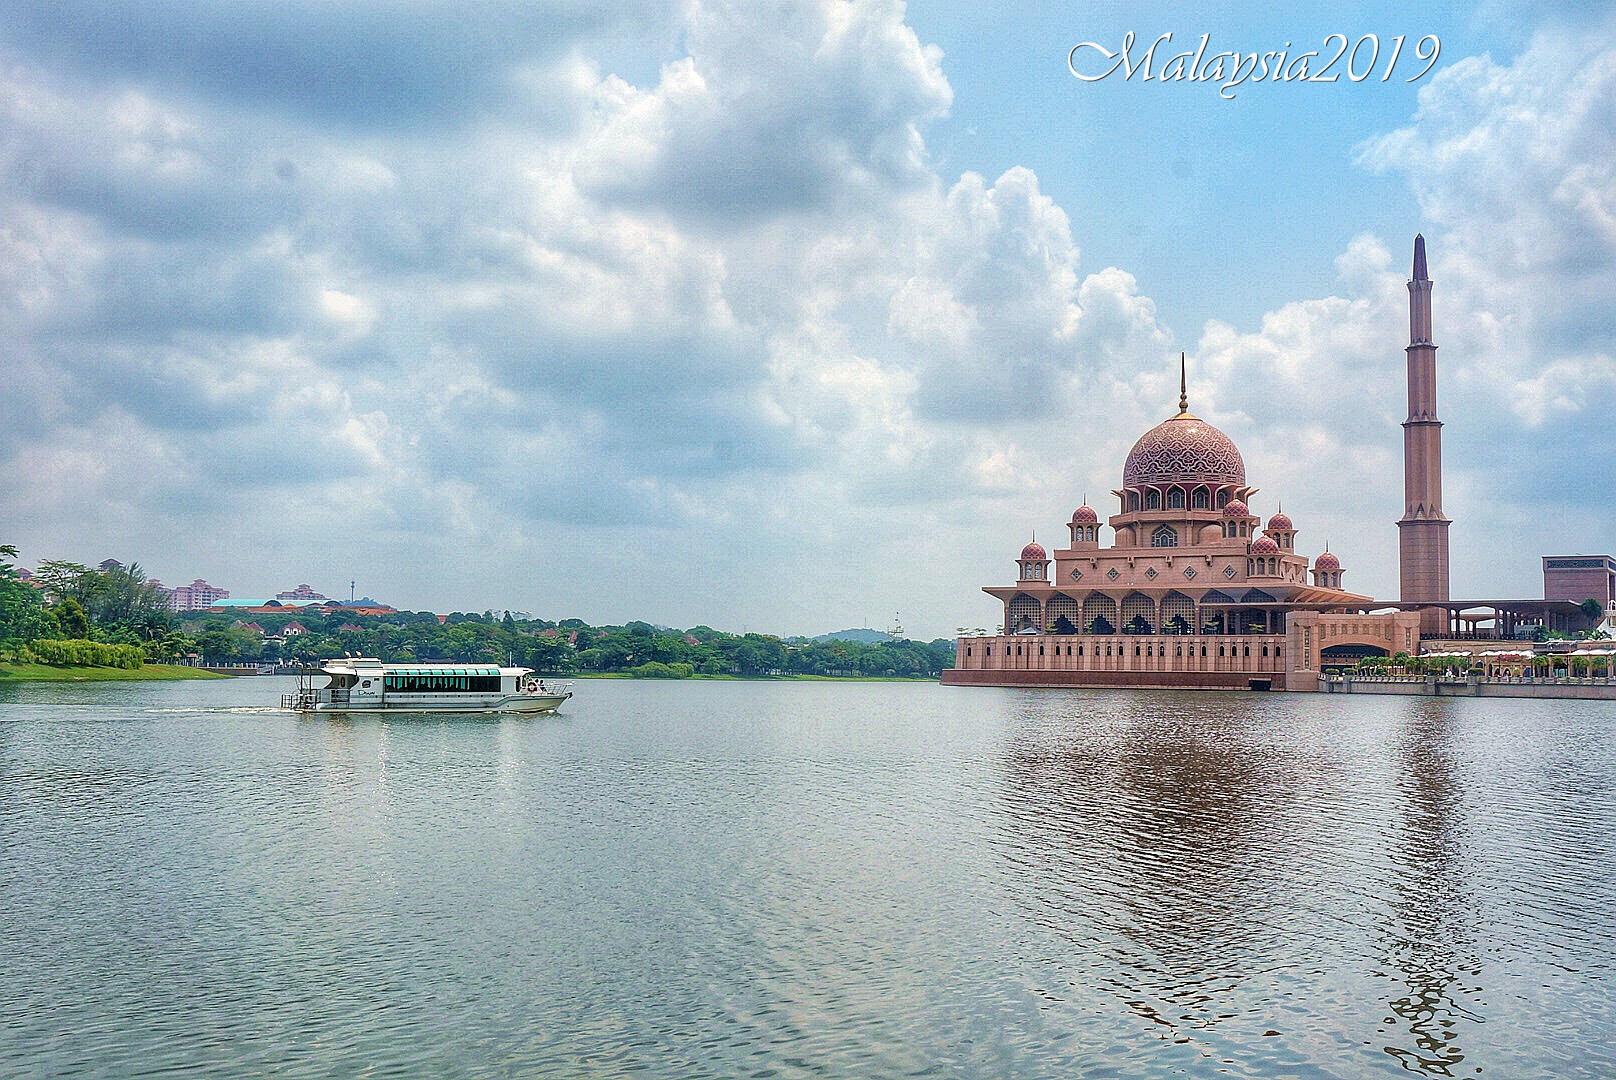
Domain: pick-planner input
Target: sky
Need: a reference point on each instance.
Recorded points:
(781, 317)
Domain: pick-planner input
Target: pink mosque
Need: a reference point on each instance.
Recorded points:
(1195, 591)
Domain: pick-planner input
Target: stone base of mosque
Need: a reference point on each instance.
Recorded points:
(1125, 680)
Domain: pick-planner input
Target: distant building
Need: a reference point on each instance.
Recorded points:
(293, 629)
(197, 596)
(303, 594)
(1579, 577)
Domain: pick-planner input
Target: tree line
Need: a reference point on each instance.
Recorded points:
(567, 646)
(117, 605)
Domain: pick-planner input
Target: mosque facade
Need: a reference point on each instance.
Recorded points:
(1196, 590)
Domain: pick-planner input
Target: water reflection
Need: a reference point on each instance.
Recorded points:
(1430, 937)
(1156, 833)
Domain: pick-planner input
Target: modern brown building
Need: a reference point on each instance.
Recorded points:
(1579, 577)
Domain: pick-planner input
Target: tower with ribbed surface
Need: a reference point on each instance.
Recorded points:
(1422, 532)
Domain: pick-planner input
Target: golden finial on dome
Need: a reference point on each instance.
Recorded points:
(1183, 393)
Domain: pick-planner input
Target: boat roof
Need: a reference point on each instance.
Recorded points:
(372, 666)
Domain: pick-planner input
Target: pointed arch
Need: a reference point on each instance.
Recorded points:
(1215, 620)
(1062, 615)
(1022, 613)
(1099, 614)
(1138, 614)
(1177, 614)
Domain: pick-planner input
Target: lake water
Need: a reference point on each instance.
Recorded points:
(807, 879)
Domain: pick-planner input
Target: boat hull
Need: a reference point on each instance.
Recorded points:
(527, 703)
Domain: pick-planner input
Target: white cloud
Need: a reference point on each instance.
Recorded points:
(610, 347)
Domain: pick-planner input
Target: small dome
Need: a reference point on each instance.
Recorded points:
(1280, 523)
(1085, 515)
(1034, 550)
(1264, 546)
(1234, 508)
(1327, 562)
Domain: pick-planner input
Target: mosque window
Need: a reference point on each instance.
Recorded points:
(1189, 571)
(967, 650)
(1228, 572)
(1200, 499)
(1175, 498)
(1112, 574)
(1152, 499)
(1133, 500)
(1150, 572)
(1077, 575)
(1165, 536)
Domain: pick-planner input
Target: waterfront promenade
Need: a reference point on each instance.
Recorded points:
(1471, 686)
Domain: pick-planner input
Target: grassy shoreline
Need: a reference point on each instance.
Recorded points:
(73, 673)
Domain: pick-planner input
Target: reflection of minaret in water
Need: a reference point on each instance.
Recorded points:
(1431, 944)
(1422, 533)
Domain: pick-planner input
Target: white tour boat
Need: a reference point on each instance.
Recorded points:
(365, 684)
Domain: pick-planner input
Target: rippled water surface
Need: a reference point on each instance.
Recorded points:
(807, 879)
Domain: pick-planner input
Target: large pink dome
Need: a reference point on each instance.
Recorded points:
(1184, 449)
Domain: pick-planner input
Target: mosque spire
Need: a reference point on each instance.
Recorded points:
(1183, 394)
(1422, 532)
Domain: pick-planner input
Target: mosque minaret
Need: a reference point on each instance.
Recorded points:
(1422, 532)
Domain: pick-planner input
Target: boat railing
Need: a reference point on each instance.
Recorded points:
(306, 698)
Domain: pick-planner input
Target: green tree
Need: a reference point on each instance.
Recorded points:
(72, 619)
(61, 579)
(23, 617)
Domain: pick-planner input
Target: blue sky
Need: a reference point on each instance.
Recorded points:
(781, 317)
